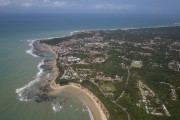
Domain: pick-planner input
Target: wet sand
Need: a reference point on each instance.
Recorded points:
(76, 90)
(83, 96)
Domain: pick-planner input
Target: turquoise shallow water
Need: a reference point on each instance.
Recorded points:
(17, 68)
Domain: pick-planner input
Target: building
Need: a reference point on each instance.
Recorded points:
(136, 64)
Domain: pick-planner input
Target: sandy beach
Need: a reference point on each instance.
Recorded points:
(94, 104)
(84, 96)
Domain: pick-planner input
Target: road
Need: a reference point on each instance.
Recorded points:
(128, 116)
(127, 81)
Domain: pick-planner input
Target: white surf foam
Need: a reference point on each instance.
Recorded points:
(31, 50)
(31, 44)
(83, 110)
(49, 38)
(56, 107)
(48, 76)
(90, 113)
(21, 90)
(74, 32)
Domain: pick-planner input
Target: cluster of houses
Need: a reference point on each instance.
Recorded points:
(146, 94)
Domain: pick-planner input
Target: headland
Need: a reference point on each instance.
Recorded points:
(118, 71)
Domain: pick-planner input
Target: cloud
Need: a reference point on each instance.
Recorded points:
(59, 3)
(38, 3)
(46, 1)
(27, 4)
(113, 6)
(4, 2)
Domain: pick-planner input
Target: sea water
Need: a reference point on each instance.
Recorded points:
(20, 69)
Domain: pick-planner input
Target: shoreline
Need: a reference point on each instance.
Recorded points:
(86, 30)
(85, 96)
(77, 89)
(97, 109)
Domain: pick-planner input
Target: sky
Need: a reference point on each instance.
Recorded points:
(91, 6)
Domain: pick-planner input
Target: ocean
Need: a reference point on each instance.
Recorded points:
(20, 70)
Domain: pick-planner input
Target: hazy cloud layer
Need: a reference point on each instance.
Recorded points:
(59, 3)
(27, 4)
(92, 6)
(115, 6)
(4, 2)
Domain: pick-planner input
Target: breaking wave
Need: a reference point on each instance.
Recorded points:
(74, 32)
(23, 92)
(31, 50)
(31, 90)
(56, 106)
(90, 113)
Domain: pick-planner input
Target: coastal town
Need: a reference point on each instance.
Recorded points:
(135, 70)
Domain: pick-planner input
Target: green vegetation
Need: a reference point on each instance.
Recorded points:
(107, 87)
(136, 65)
(115, 87)
(115, 112)
(156, 49)
(61, 71)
